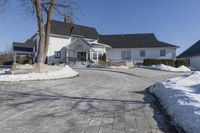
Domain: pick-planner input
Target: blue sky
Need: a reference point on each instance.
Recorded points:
(173, 21)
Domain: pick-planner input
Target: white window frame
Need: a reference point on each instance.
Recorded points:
(57, 54)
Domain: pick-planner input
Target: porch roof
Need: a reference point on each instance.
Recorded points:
(87, 44)
(18, 46)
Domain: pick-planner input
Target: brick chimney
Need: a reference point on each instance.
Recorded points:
(68, 19)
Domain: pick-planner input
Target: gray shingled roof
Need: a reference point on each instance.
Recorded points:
(67, 29)
(27, 46)
(133, 41)
(194, 50)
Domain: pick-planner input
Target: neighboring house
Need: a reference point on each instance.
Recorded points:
(193, 55)
(71, 42)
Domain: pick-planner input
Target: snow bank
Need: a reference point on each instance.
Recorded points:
(3, 71)
(170, 68)
(26, 66)
(63, 72)
(181, 98)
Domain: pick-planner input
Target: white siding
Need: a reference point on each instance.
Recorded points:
(195, 62)
(57, 44)
(154, 53)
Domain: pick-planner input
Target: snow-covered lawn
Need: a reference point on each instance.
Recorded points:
(3, 71)
(170, 68)
(180, 97)
(52, 73)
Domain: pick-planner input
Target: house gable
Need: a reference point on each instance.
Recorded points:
(79, 44)
(194, 50)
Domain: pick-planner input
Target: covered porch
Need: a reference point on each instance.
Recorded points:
(23, 49)
(84, 51)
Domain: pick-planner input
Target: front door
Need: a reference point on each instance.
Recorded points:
(81, 56)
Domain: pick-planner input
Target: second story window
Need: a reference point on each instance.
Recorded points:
(57, 54)
(142, 53)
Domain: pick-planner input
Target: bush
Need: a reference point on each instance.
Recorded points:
(181, 62)
(104, 58)
(27, 61)
(8, 63)
(149, 62)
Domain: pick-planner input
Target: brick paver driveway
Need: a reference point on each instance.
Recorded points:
(99, 101)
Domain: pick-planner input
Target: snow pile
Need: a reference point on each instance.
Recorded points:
(181, 98)
(4, 70)
(26, 66)
(170, 68)
(63, 72)
(119, 67)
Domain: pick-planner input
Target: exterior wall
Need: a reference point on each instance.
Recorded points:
(57, 44)
(195, 62)
(115, 53)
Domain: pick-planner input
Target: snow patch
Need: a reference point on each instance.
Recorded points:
(26, 66)
(119, 67)
(63, 72)
(180, 97)
(4, 70)
(170, 68)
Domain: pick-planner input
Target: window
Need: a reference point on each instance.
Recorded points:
(94, 55)
(162, 53)
(142, 53)
(99, 55)
(57, 54)
(126, 55)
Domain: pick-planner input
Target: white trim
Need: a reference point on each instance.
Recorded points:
(89, 47)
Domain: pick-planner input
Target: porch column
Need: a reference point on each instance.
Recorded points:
(33, 58)
(87, 56)
(97, 55)
(67, 55)
(91, 54)
(14, 58)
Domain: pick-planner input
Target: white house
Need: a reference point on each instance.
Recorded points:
(70, 42)
(193, 55)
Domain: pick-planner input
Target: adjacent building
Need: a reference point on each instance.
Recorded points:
(70, 42)
(193, 55)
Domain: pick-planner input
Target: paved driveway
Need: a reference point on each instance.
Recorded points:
(99, 101)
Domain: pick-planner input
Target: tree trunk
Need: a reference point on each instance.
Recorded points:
(48, 26)
(41, 30)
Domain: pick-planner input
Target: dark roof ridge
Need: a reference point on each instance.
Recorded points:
(73, 24)
(127, 34)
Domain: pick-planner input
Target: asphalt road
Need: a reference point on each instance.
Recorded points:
(98, 101)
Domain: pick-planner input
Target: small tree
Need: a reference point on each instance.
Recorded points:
(6, 56)
(104, 58)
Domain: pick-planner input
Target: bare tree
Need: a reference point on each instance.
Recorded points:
(45, 9)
